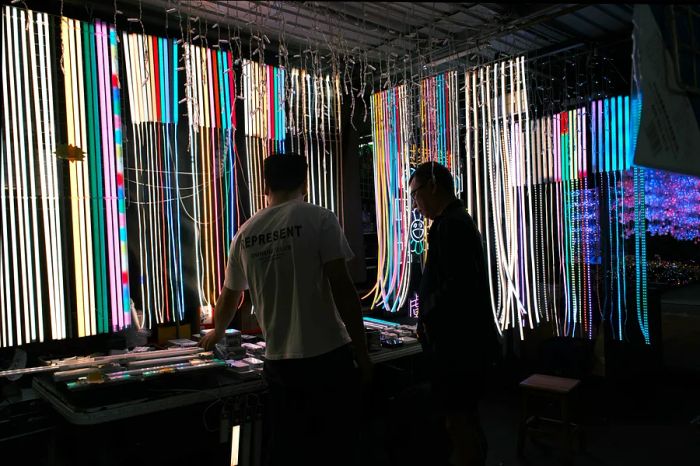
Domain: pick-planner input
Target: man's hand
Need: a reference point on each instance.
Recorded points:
(226, 306)
(210, 339)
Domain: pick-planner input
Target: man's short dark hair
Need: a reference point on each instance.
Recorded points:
(437, 172)
(284, 172)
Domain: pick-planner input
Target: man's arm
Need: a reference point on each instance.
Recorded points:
(350, 310)
(224, 312)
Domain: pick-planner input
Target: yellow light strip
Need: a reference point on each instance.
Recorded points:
(71, 106)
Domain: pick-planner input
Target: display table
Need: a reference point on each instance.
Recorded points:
(101, 404)
(388, 354)
(139, 400)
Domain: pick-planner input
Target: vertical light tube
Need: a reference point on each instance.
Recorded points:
(96, 200)
(20, 177)
(86, 235)
(476, 142)
(107, 166)
(7, 322)
(467, 140)
(56, 226)
(627, 130)
(615, 164)
(36, 310)
(620, 130)
(594, 135)
(606, 113)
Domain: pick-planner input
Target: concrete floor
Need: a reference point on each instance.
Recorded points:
(639, 423)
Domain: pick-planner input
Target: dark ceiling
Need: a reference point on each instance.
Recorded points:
(429, 33)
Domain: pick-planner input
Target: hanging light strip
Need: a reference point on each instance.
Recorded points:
(71, 109)
(36, 310)
(8, 197)
(85, 170)
(313, 124)
(56, 225)
(136, 117)
(96, 186)
(211, 97)
(439, 104)
(108, 215)
(391, 144)
(502, 182)
(31, 258)
(150, 65)
(20, 178)
(468, 140)
(121, 258)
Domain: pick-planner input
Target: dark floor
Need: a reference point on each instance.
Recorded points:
(644, 421)
(641, 420)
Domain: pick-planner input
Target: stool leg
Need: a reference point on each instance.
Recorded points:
(522, 429)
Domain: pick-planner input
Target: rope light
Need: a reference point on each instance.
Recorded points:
(211, 97)
(151, 69)
(391, 143)
(312, 118)
(529, 185)
(502, 178)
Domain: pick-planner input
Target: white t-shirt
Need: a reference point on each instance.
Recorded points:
(279, 255)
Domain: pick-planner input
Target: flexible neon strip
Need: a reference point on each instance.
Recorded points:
(505, 166)
(314, 105)
(487, 232)
(128, 41)
(391, 144)
(528, 156)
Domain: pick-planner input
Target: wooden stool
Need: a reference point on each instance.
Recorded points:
(557, 389)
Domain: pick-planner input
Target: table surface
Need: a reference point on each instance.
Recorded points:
(225, 383)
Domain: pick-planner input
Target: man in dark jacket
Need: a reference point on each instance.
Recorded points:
(456, 325)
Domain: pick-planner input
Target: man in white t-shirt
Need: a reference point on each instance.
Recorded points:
(292, 257)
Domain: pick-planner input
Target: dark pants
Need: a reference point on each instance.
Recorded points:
(455, 397)
(313, 410)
